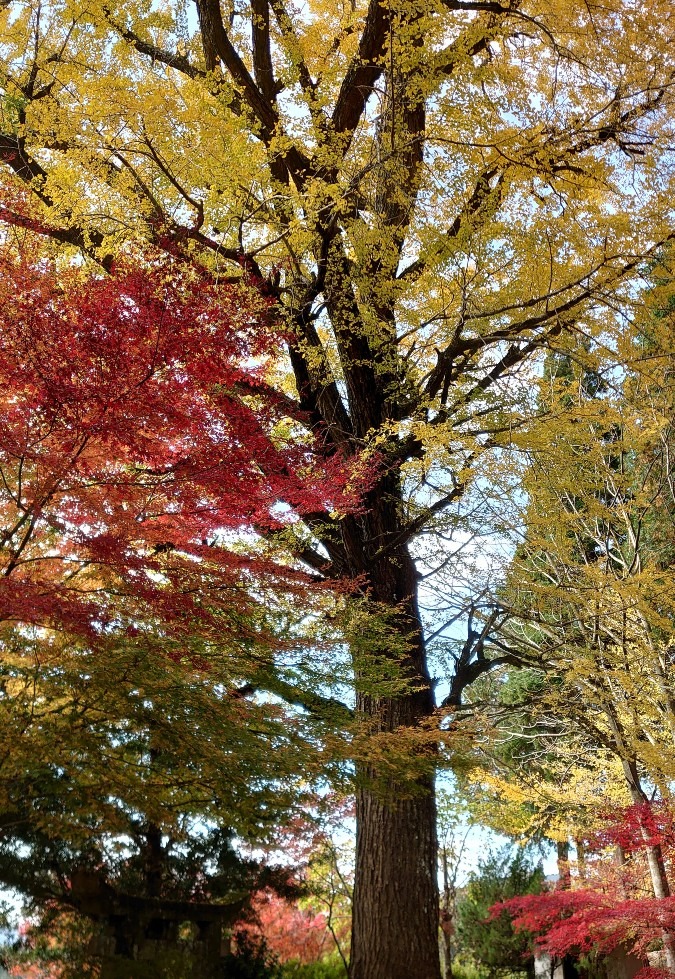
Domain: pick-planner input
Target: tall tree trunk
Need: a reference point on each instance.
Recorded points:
(661, 888)
(395, 911)
(395, 898)
(563, 860)
(581, 861)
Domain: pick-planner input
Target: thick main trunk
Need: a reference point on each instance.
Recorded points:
(395, 911)
(395, 923)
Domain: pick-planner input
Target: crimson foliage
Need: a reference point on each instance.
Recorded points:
(137, 440)
(586, 920)
(613, 913)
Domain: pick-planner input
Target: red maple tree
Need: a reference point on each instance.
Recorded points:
(615, 912)
(138, 443)
(147, 470)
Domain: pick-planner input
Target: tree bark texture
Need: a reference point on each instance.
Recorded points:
(396, 908)
(395, 904)
(395, 898)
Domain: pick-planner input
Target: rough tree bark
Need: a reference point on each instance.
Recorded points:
(396, 847)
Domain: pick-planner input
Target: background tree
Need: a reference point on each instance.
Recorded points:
(613, 909)
(492, 941)
(314, 925)
(454, 828)
(589, 593)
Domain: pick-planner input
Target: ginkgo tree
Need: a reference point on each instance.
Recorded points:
(431, 192)
(587, 601)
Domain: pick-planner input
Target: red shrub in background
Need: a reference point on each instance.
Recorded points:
(289, 932)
